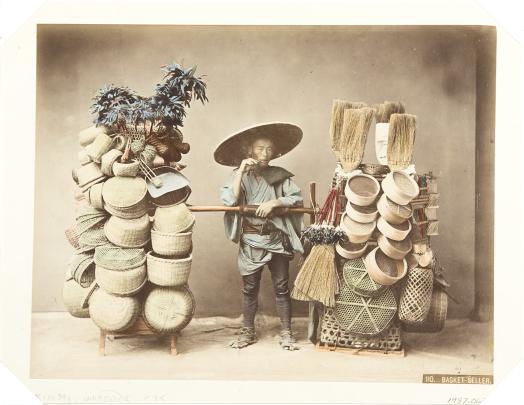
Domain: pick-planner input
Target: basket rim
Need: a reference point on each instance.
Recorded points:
(374, 269)
(152, 255)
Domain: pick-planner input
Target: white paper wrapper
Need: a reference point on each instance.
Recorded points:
(381, 142)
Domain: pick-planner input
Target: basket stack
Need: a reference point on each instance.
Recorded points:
(391, 280)
(126, 265)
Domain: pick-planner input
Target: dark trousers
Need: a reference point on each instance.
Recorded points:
(279, 268)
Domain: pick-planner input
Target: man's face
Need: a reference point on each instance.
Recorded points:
(263, 150)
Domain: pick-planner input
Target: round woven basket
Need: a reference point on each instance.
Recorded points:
(393, 212)
(72, 236)
(400, 187)
(128, 233)
(121, 282)
(125, 197)
(356, 231)
(93, 237)
(82, 269)
(112, 313)
(167, 272)
(171, 244)
(129, 169)
(114, 257)
(83, 158)
(361, 214)
(393, 231)
(349, 250)
(358, 280)
(368, 316)
(87, 223)
(73, 297)
(167, 309)
(107, 161)
(374, 169)
(415, 297)
(362, 189)
(395, 249)
(119, 142)
(89, 174)
(436, 317)
(94, 195)
(100, 145)
(173, 219)
(383, 269)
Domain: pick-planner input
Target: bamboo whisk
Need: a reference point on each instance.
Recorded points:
(401, 140)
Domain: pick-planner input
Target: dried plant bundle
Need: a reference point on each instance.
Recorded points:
(384, 111)
(354, 134)
(401, 140)
(337, 119)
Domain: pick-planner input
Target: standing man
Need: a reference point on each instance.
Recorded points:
(264, 239)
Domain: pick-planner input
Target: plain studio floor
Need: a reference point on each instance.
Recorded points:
(67, 347)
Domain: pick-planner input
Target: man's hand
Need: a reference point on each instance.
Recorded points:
(247, 164)
(265, 209)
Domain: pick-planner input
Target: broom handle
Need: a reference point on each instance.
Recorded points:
(313, 201)
(250, 209)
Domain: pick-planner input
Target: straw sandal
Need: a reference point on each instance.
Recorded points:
(246, 336)
(287, 340)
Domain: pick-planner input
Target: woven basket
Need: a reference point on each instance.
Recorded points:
(100, 145)
(88, 135)
(168, 310)
(85, 224)
(400, 187)
(121, 282)
(94, 196)
(358, 280)
(93, 237)
(374, 169)
(112, 313)
(356, 232)
(436, 317)
(333, 334)
(130, 169)
(125, 197)
(172, 198)
(83, 158)
(349, 250)
(384, 270)
(368, 316)
(168, 272)
(392, 212)
(128, 233)
(394, 249)
(415, 296)
(72, 236)
(82, 269)
(362, 189)
(89, 174)
(113, 257)
(171, 244)
(392, 231)
(107, 161)
(173, 219)
(74, 297)
(361, 214)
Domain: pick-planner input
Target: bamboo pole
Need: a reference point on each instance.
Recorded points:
(249, 209)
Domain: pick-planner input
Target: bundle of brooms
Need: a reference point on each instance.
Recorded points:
(317, 279)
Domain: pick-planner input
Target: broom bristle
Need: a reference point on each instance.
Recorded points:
(318, 279)
(401, 139)
(384, 111)
(354, 135)
(337, 119)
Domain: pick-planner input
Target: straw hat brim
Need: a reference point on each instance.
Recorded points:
(285, 136)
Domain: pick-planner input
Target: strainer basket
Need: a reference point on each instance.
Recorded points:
(399, 187)
(436, 317)
(128, 233)
(395, 249)
(121, 282)
(168, 272)
(415, 297)
(168, 310)
(358, 280)
(384, 270)
(393, 212)
(114, 257)
(362, 189)
(368, 316)
(177, 218)
(107, 161)
(393, 231)
(362, 214)
(171, 244)
(357, 232)
(112, 313)
(349, 250)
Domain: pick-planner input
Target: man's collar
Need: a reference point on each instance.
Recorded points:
(274, 174)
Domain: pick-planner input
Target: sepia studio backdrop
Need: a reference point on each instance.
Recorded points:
(259, 74)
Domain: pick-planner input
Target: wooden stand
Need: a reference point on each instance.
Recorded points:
(139, 328)
(365, 352)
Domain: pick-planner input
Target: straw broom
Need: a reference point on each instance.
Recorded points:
(401, 139)
(353, 138)
(383, 111)
(337, 120)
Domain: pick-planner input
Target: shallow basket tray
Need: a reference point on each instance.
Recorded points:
(357, 232)
(400, 187)
(395, 249)
(393, 231)
(168, 272)
(361, 214)
(349, 250)
(333, 334)
(393, 212)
